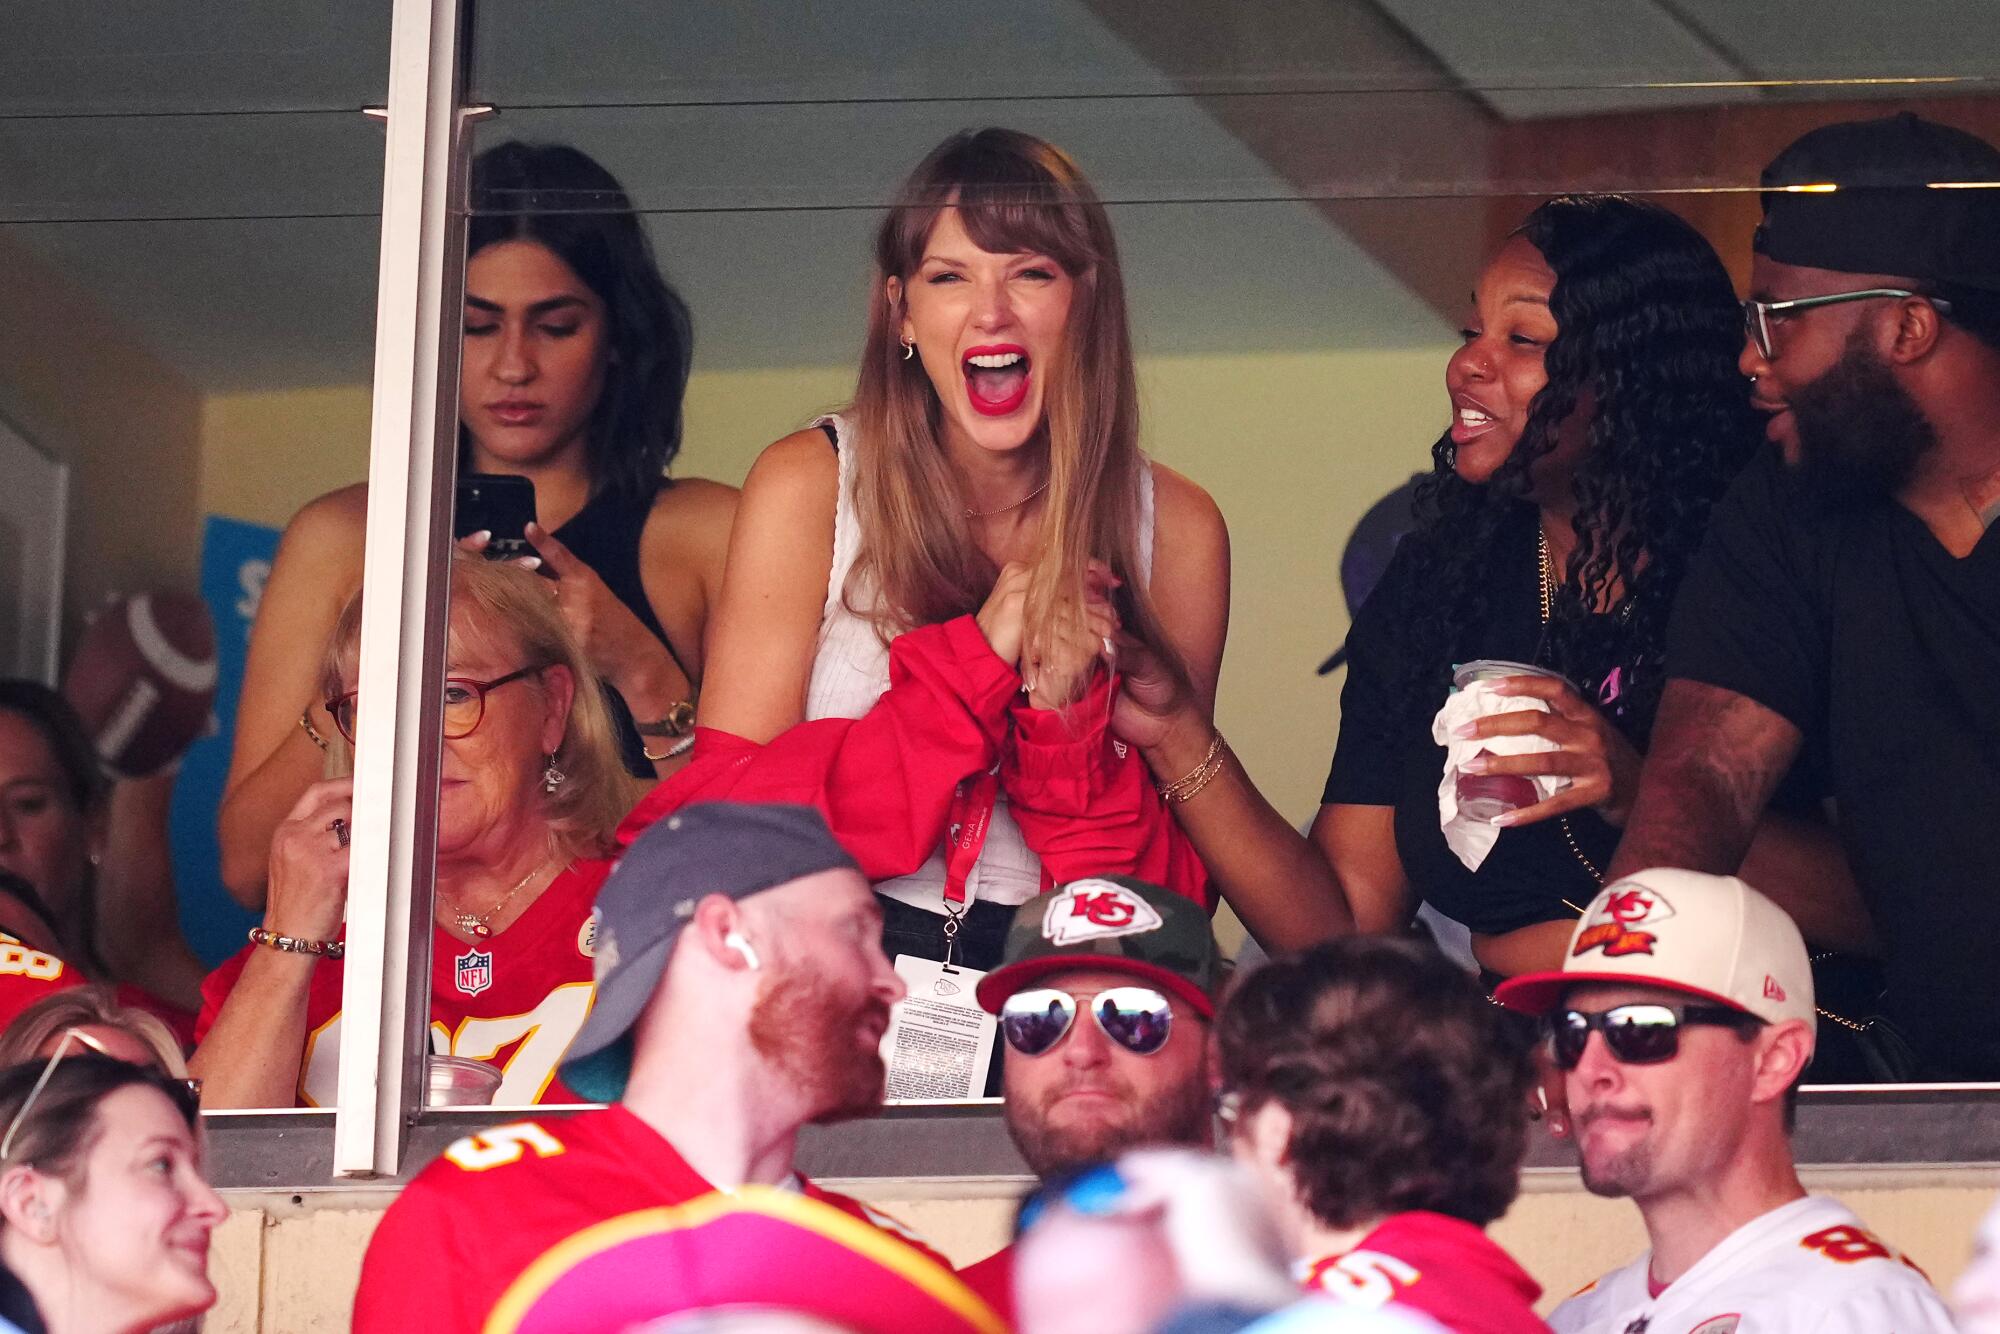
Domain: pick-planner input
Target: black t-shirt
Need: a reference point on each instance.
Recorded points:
(1884, 650)
(1386, 757)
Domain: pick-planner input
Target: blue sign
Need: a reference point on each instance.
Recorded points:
(235, 561)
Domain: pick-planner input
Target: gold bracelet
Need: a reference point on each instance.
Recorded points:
(306, 722)
(1197, 778)
(325, 949)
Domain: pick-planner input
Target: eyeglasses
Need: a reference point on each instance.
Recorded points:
(464, 704)
(1635, 1034)
(1139, 1019)
(1757, 315)
(187, 1092)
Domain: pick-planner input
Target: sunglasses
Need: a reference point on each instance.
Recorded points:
(186, 1092)
(1139, 1019)
(464, 704)
(1634, 1034)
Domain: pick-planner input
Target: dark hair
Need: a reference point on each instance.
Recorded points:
(67, 738)
(1973, 309)
(1648, 330)
(561, 198)
(58, 1131)
(1407, 1088)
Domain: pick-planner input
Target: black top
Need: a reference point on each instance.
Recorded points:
(17, 1306)
(604, 535)
(1884, 650)
(1385, 755)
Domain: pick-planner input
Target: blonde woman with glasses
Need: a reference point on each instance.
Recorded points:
(530, 787)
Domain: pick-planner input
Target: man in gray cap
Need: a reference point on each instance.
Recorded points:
(1849, 605)
(742, 993)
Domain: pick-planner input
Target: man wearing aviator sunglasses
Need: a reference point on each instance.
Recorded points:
(1681, 1021)
(1105, 994)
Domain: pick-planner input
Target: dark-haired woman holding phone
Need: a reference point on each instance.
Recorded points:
(575, 362)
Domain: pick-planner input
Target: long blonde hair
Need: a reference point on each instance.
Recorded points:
(1013, 193)
(505, 602)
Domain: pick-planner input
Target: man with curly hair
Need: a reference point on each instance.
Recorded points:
(1385, 1103)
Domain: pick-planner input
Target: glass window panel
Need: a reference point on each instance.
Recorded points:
(189, 224)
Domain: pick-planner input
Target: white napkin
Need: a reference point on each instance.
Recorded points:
(1473, 839)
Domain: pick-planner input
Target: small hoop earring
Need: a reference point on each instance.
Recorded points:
(552, 776)
(909, 348)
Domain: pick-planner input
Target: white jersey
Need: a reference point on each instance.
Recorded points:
(1806, 1266)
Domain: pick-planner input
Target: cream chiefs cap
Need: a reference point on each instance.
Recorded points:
(1708, 935)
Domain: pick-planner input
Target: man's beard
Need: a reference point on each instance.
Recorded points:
(1627, 1172)
(1861, 435)
(809, 1032)
(1176, 1114)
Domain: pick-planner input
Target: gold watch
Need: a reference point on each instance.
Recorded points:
(677, 721)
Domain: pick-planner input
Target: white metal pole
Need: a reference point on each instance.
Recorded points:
(385, 1005)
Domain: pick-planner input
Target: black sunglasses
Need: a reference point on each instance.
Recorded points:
(1644, 1034)
(1139, 1019)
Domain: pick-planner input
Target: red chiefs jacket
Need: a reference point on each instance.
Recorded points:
(887, 781)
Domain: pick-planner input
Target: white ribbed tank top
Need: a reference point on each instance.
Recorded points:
(851, 670)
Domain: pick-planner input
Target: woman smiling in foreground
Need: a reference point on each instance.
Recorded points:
(929, 584)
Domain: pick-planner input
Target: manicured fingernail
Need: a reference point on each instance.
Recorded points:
(1510, 817)
(1478, 764)
(483, 535)
(1466, 729)
(530, 562)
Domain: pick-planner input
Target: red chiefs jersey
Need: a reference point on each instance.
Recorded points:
(993, 1279)
(516, 999)
(1444, 1267)
(606, 1227)
(27, 975)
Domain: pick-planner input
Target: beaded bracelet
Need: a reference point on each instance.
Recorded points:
(325, 949)
(1184, 787)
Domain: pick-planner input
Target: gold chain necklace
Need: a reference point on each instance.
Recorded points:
(1546, 569)
(972, 513)
(480, 925)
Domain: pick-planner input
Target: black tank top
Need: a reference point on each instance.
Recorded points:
(604, 535)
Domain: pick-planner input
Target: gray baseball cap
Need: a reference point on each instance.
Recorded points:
(721, 847)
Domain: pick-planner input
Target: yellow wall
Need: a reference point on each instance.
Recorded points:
(1294, 447)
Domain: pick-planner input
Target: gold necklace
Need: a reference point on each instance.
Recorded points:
(1545, 568)
(480, 925)
(972, 513)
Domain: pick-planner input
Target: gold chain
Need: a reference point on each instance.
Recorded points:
(1545, 568)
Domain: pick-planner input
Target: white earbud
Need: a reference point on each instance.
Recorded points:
(735, 941)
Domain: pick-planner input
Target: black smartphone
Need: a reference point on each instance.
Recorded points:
(500, 504)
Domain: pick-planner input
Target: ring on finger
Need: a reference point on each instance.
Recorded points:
(340, 832)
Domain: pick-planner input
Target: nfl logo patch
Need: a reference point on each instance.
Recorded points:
(475, 971)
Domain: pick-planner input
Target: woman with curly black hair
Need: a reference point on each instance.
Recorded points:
(1598, 415)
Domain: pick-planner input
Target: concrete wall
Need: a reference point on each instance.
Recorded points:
(287, 1267)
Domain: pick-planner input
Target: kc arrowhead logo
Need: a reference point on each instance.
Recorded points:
(1097, 910)
(1614, 925)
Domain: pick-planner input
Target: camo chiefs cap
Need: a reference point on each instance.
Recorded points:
(1115, 923)
(1711, 936)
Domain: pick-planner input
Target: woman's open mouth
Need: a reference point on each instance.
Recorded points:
(1469, 421)
(996, 378)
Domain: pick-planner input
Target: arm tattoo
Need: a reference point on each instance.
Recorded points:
(1716, 758)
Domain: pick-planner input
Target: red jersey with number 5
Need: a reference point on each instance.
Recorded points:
(1444, 1267)
(516, 999)
(595, 1223)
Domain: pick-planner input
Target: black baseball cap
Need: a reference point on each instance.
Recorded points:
(1907, 197)
(1115, 923)
(722, 847)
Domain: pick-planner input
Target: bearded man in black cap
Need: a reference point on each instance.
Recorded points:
(1847, 601)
